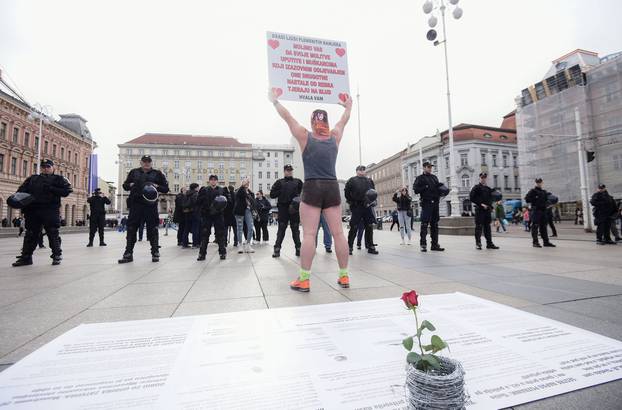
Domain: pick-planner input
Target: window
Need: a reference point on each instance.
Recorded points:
(446, 162)
(75, 157)
(483, 158)
(617, 162)
(268, 164)
(199, 177)
(13, 166)
(506, 182)
(62, 153)
(260, 164)
(187, 153)
(128, 163)
(36, 143)
(176, 176)
(268, 187)
(26, 138)
(505, 161)
(1, 163)
(221, 166)
(25, 168)
(199, 164)
(15, 135)
(516, 185)
(514, 161)
(487, 135)
(188, 164)
(268, 154)
(242, 165)
(287, 156)
(164, 152)
(276, 155)
(45, 147)
(165, 163)
(3, 130)
(496, 181)
(494, 160)
(221, 154)
(75, 179)
(276, 175)
(141, 152)
(464, 160)
(34, 167)
(176, 164)
(466, 181)
(267, 174)
(187, 177)
(54, 150)
(68, 155)
(176, 152)
(503, 137)
(259, 175)
(210, 153)
(276, 163)
(260, 187)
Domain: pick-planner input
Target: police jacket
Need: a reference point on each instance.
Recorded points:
(285, 189)
(355, 190)
(97, 203)
(537, 198)
(263, 207)
(604, 206)
(426, 185)
(230, 204)
(141, 178)
(244, 199)
(206, 197)
(47, 190)
(178, 214)
(403, 202)
(481, 195)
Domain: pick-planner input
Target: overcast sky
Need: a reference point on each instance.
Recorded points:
(200, 67)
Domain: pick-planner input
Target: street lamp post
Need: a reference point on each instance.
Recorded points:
(428, 7)
(41, 113)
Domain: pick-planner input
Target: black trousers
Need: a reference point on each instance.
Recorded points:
(603, 230)
(429, 216)
(142, 213)
(96, 224)
(393, 224)
(364, 215)
(552, 225)
(36, 220)
(231, 225)
(482, 223)
(539, 223)
(261, 230)
(294, 224)
(218, 222)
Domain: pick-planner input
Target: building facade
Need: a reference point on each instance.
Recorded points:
(268, 163)
(477, 149)
(67, 142)
(388, 178)
(109, 190)
(185, 159)
(547, 128)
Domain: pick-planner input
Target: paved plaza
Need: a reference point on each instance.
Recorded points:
(578, 283)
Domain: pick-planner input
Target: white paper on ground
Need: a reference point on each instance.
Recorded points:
(345, 355)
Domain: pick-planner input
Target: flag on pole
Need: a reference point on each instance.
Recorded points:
(92, 173)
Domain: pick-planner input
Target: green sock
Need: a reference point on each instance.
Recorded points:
(304, 274)
(343, 272)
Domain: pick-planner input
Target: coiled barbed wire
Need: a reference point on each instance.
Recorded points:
(441, 389)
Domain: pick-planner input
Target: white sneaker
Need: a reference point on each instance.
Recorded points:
(241, 248)
(403, 243)
(408, 243)
(249, 248)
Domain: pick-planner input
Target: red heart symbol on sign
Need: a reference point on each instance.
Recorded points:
(340, 51)
(343, 97)
(277, 91)
(274, 44)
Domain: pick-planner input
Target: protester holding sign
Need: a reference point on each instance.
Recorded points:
(320, 192)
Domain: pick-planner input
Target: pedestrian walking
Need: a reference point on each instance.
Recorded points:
(243, 211)
(500, 216)
(404, 205)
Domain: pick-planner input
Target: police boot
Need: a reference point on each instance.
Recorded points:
(372, 250)
(276, 253)
(201, 257)
(56, 259)
(127, 257)
(23, 260)
(297, 251)
(90, 244)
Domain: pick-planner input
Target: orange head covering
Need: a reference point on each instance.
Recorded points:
(319, 123)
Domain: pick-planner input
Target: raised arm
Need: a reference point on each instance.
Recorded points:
(337, 131)
(298, 131)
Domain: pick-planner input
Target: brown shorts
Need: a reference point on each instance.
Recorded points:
(321, 193)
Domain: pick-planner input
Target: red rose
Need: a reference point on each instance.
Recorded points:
(410, 299)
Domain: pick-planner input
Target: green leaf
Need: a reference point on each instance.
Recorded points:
(408, 343)
(413, 358)
(427, 325)
(437, 343)
(431, 360)
(427, 348)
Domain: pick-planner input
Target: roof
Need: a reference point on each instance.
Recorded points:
(186, 139)
(465, 132)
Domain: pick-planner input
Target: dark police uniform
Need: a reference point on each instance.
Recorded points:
(284, 190)
(47, 191)
(605, 210)
(97, 218)
(355, 193)
(537, 198)
(209, 218)
(481, 195)
(426, 185)
(141, 209)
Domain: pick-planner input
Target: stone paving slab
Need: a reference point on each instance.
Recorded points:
(576, 283)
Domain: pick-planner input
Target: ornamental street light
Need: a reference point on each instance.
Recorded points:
(430, 7)
(42, 113)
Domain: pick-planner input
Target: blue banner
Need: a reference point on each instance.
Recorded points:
(92, 173)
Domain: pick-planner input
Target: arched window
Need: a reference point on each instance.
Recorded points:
(487, 135)
(466, 181)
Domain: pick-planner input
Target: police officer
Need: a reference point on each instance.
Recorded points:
(356, 194)
(284, 190)
(97, 219)
(481, 198)
(537, 197)
(605, 210)
(143, 207)
(427, 186)
(47, 188)
(212, 215)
